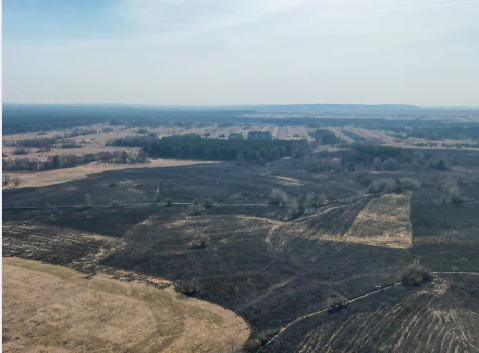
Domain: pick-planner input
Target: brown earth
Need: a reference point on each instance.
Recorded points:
(49, 308)
(58, 176)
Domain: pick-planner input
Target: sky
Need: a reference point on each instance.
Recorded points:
(220, 52)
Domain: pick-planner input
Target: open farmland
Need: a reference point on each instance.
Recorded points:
(344, 223)
(442, 317)
(56, 309)
(377, 221)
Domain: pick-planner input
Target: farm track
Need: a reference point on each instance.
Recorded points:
(424, 322)
(325, 310)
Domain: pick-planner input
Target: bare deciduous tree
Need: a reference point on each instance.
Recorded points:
(6, 180)
(278, 197)
(414, 274)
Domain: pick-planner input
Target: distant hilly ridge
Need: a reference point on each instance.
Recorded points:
(285, 108)
(316, 108)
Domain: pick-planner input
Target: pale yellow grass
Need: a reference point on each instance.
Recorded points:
(289, 181)
(385, 221)
(55, 309)
(337, 131)
(58, 176)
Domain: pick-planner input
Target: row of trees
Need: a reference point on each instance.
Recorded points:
(256, 151)
(69, 161)
(134, 141)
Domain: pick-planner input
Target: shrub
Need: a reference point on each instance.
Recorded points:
(16, 181)
(197, 210)
(449, 188)
(20, 151)
(236, 136)
(364, 179)
(208, 203)
(189, 286)
(409, 183)
(278, 197)
(382, 185)
(200, 240)
(266, 335)
(414, 274)
(252, 345)
(168, 203)
(6, 180)
(336, 301)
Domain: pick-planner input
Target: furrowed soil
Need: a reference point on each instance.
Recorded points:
(56, 309)
(273, 270)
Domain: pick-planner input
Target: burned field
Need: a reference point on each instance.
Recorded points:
(215, 234)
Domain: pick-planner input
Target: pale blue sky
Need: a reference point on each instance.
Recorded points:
(423, 52)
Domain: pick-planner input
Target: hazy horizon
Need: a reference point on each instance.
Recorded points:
(224, 53)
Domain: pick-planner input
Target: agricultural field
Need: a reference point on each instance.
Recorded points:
(441, 317)
(216, 252)
(56, 309)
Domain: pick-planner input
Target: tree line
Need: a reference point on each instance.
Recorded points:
(256, 151)
(71, 160)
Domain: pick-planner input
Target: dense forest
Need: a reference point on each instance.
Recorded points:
(255, 151)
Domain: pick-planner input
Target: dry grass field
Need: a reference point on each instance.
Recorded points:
(49, 308)
(58, 176)
(378, 221)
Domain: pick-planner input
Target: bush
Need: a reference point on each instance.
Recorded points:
(414, 274)
(6, 180)
(336, 301)
(364, 179)
(409, 183)
(252, 345)
(168, 203)
(266, 335)
(278, 197)
(208, 203)
(16, 181)
(236, 136)
(197, 210)
(20, 151)
(189, 286)
(200, 240)
(382, 185)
